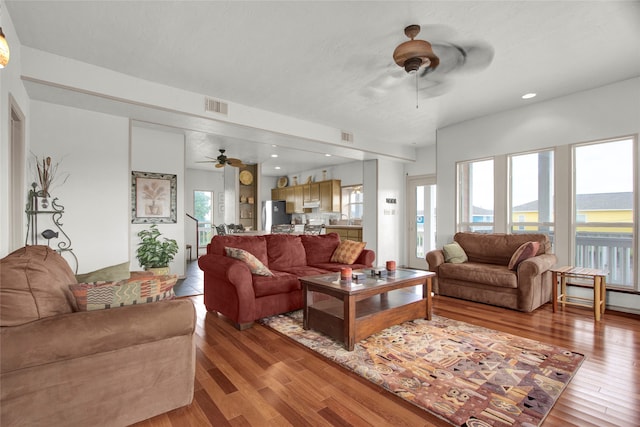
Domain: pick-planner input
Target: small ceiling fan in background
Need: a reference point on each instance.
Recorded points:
(432, 61)
(222, 160)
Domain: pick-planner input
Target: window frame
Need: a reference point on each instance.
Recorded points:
(634, 286)
(463, 192)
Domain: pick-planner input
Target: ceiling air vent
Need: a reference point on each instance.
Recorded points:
(216, 106)
(347, 137)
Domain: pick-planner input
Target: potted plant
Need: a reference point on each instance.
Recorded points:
(155, 254)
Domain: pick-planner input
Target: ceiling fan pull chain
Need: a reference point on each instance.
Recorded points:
(416, 90)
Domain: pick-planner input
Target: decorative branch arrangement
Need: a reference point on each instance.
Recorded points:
(47, 175)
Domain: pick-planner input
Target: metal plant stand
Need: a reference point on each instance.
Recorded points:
(38, 205)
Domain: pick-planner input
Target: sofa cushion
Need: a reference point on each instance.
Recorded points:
(347, 252)
(525, 251)
(336, 266)
(254, 264)
(34, 284)
(497, 248)
(103, 295)
(284, 251)
(471, 272)
(304, 270)
(256, 245)
(454, 253)
(320, 248)
(110, 273)
(280, 283)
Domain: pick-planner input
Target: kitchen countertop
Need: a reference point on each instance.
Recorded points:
(348, 227)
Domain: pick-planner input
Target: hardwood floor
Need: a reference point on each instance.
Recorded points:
(259, 378)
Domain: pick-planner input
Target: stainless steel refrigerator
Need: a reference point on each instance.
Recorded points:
(274, 212)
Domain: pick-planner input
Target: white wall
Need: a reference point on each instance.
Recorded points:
(391, 216)
(93, 149)
(10, 85)
(158, 151)
(601, 113)
(605, 112)
(425, 163)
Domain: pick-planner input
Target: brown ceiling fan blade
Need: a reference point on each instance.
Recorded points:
(219, 165)
(233, 161)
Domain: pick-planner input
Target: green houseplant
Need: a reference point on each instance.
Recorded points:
(154, 253)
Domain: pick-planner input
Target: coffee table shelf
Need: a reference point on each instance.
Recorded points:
(358, 310)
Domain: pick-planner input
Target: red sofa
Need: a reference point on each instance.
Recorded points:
(231, 289)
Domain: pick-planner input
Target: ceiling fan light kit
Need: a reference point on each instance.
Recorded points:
(414, 54)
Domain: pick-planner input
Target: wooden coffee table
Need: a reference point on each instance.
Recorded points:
(360, 309)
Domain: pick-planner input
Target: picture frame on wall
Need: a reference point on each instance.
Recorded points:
(153, 198)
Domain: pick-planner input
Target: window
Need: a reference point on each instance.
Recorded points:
(531, 193)
(603, 201)
(475, 196)
(203, 211)
(352, 202)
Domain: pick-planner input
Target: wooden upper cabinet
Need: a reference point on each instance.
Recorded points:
(328, 193)
(330, 196)
(289, 196)
(298, 201)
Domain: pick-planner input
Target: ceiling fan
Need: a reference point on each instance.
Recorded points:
(223, 160)
(433, 61)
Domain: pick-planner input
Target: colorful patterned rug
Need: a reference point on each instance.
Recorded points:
(467, 375)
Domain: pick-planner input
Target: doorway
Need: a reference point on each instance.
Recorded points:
(16, 175)
(421, 219)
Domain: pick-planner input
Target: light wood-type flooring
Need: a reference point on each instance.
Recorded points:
(259, 378)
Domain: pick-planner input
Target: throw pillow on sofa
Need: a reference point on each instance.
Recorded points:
(525, 251)
(33, 285)
(111, 273)
(254, 263)
(104, 295)
(454, 253)
(347, 252)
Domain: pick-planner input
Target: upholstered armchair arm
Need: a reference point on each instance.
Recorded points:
(536, 265)
(534, 281)
(367, 256)
(228, 287)
(82, 334)
(434, 259)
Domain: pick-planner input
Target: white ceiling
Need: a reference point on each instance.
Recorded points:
(330, 62)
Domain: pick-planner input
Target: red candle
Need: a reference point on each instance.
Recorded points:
(391, 266)
(345, 273)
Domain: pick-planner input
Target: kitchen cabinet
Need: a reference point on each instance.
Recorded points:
(330, 196)
(328, 193)
(346, 232)
(289, 196)
(298, 197)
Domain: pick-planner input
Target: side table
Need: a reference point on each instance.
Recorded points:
(595, 276)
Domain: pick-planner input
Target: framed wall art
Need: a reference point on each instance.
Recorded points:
(153, 198)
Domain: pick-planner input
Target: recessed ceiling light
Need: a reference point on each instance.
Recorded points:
(274, 155)
(529, 95)
(327, 155)
(274, 145)
(277, 168)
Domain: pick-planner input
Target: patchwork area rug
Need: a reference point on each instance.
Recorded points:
(467, 375)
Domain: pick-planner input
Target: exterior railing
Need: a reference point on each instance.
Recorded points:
(205, 233)
(612, 252)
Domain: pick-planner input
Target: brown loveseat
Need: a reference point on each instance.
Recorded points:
(486, 277)
(111, 367)
(232, 290)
